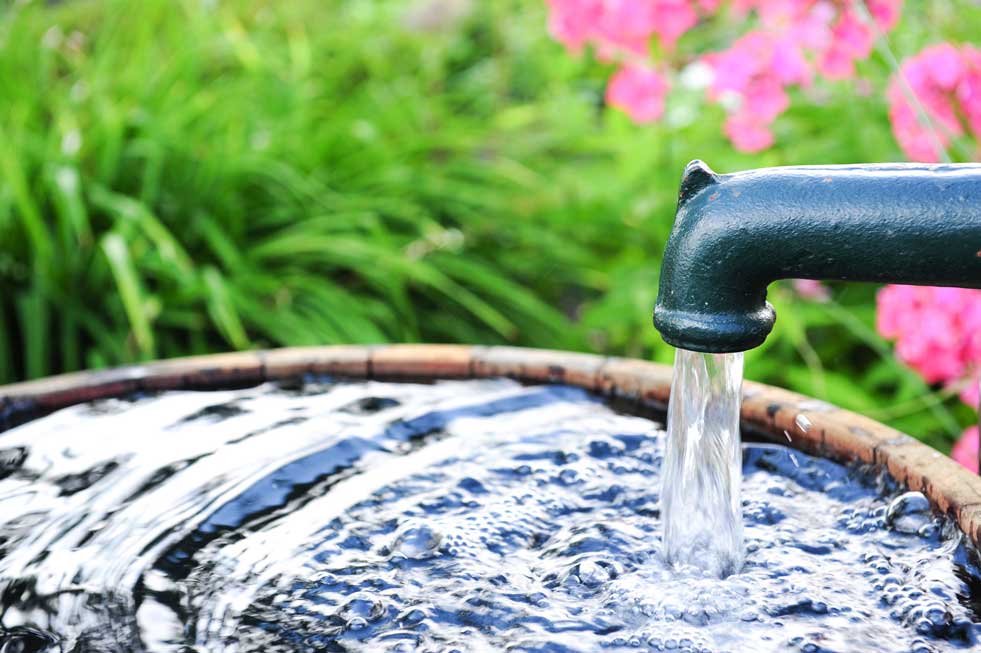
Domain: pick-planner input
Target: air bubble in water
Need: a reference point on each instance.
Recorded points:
(416, 541)
(592, 573)
(909, 513)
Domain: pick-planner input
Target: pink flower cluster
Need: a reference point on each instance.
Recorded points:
(617, 27)
(638, 91)
(938, 330)
(937, 333)
(835, 33)
(621, 31)
(795, 40)
(750, 79)
(946, 81)
(798, 38)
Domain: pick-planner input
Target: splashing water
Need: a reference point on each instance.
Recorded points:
(460, 516)
(703, 523)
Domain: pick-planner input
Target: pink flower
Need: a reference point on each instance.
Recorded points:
(946, 80)
(754, 72)
(937, 331)
(625, 27)
(942, 66)
(885, 12)
(621, 30)
(572, 22)
(735, 67)
(765, 99)
(639, 92)
(789, 65)
(965, 450)
(673, 18)
(968, 91)
(811, 289)
(851, 39)
(709, 6)
(917, 141)
(748, 135)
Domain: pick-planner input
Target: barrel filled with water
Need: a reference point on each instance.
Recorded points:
(312, 512)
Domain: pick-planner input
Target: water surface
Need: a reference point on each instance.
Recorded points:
(460, 516)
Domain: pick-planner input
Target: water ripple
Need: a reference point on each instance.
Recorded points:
(468, 516)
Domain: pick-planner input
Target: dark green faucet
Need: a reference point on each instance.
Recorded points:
(734, 234)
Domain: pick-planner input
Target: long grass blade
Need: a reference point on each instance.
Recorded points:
(34, 313)
(131, 293)
(222, 309)
(6, 349)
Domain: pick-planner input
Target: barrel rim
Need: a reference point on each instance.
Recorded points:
(792, 419)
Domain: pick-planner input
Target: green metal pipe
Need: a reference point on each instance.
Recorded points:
(734, 234)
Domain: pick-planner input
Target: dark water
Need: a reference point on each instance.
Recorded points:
(464, 516)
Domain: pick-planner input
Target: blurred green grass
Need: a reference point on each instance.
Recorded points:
(182, 176)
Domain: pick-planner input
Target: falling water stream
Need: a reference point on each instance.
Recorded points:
(469, 516)
(700, 502)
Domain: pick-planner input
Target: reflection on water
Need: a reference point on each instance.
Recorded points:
(467, 516)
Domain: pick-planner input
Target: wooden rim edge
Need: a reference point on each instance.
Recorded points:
(795, 420)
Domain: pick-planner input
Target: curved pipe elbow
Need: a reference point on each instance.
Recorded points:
(735, 234)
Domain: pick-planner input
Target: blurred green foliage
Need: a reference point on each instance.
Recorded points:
(184, 176)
